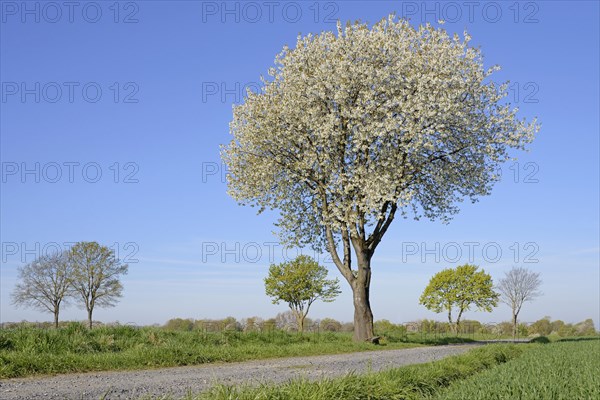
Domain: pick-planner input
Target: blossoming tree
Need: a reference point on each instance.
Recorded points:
(356, 128)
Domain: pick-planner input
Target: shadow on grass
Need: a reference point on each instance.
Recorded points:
(540, 339)
(448, 340)
(578, 339)
(440, 341)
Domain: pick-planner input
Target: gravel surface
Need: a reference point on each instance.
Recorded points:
(179, 381)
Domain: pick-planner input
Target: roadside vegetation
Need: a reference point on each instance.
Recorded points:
(411, 382)
(566, 369)
(33, 349)
(28, 351)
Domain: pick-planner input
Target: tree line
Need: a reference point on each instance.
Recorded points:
(87, 273)
(302, 281)
(90, 274)
(286, 321)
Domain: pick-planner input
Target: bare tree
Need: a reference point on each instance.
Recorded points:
(518, 286)
(96, 273)
(44, 284)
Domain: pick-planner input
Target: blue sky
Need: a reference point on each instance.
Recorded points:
(111, 120)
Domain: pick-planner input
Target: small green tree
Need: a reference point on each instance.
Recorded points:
(459, 288)
(300, 283)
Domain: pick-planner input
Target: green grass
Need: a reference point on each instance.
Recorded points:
(567, 369)
(411, 382)
(32, 351)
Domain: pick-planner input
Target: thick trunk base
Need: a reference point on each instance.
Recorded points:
(363, 316)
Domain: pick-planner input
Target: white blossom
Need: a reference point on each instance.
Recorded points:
(351, 122)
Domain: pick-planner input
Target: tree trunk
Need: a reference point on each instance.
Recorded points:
(514, 326)
(90, 318)
(458, 322)
(363, 316)
(359, 281)
(56, 318)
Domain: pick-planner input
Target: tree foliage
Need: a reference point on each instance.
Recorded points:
(518, 286)
(330, 325)
(96, 274)
(354, 128)
(541, 327)
(299, 283)
(459, 288)
(44, 284)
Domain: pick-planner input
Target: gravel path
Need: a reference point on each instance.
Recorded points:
(179, 380)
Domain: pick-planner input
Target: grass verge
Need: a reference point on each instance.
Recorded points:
(411, 382)
(34, 351)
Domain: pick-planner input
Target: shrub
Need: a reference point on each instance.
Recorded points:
(540, 339)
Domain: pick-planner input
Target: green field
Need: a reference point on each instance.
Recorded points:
(560, 370)
(566, 370)
(28, 351)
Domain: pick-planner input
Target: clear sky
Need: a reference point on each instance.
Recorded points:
(112, 116)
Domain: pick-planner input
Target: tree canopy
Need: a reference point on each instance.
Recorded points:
(299, 283)
(459, 288)
(96, 273)
(45, 284)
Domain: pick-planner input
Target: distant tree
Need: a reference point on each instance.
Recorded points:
(504, 328)
(541, 327)
(388, 329)
(286, 321)
(471, 326)
(522, 330)
(330, 325)
(311, 325)
(230, 324)
(96, 273)
(427, 325)
(459, 288)
(518, 286)
(563, 329)
(252, 324)
(179, 324)
(44, 284)
(270, 325)
(300, 283)
(585, 328)
(348, 327)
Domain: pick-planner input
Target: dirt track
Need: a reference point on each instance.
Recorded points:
(178, 381)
